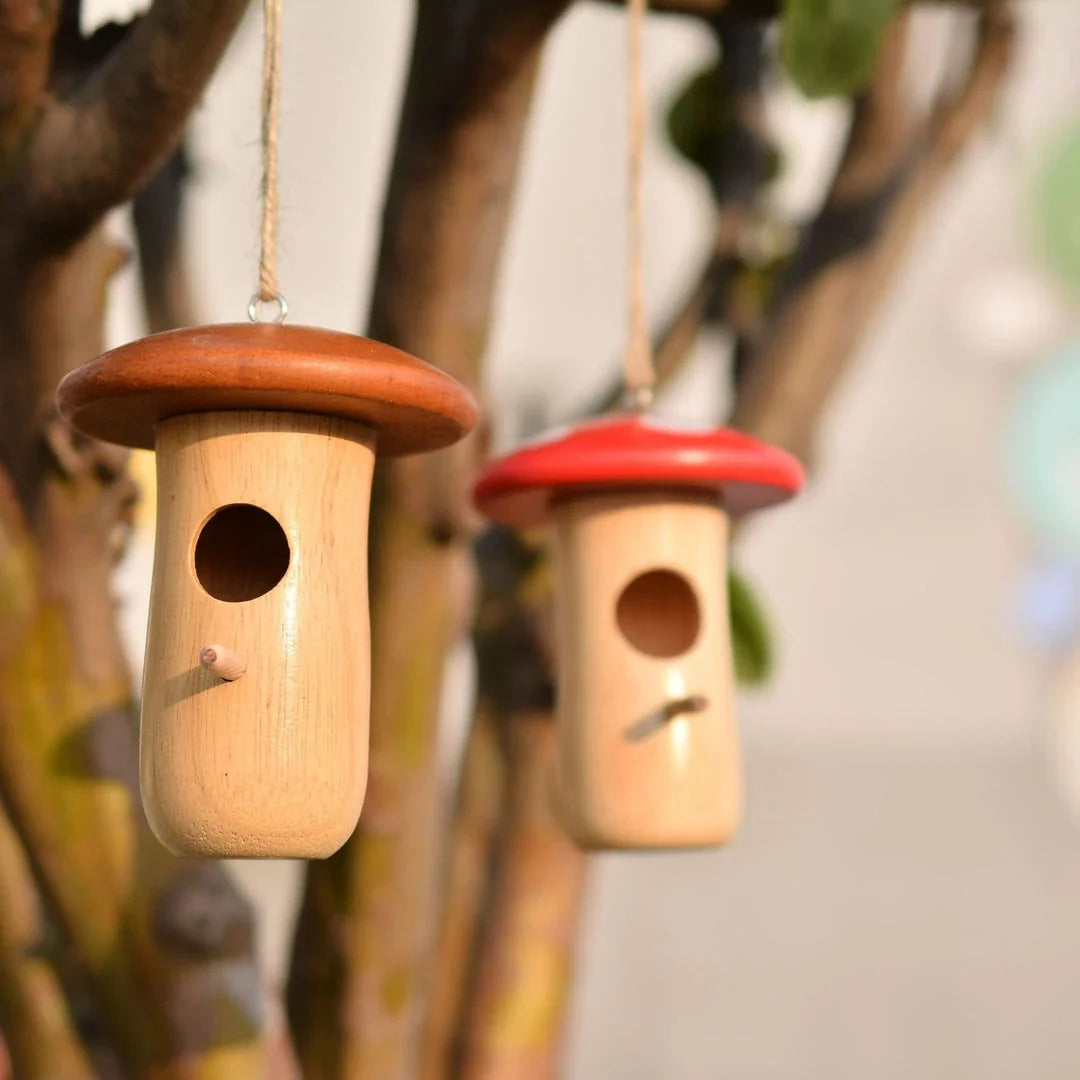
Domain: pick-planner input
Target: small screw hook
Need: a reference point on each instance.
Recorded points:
(257, 301)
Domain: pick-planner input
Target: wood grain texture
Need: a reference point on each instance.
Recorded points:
(273, 764)
(121, 395)
(629, 775)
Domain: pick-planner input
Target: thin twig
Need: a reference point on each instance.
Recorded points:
(675, 342)
(738, 170)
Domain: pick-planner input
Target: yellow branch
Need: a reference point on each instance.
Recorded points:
(41, 1039)
(180, 998)
(516, 1016)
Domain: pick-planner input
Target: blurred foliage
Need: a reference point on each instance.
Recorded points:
(701, 118)
(831, 46)
(704, 127)
(751, 641)
(1042, 451)
(754, 288)
(1058, 209)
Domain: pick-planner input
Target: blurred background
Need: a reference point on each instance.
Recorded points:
(904, 897)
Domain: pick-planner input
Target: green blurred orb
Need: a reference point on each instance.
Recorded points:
(1043, 453)
(1058, 209)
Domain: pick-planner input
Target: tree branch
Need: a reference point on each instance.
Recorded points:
(361, 955)
(477, 822)
(166, 944)
(497, 925)
(514, 1024)
(27, 28)
(888, 176)
(41, 1038)
(157, 214)
(515, 879)
(528, 903)
(738, 161)
(676, 341)
(95, 148)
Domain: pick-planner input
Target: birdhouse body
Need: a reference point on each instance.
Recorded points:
(262, 543)
(254, 732)
(642, 626)
(648, 753)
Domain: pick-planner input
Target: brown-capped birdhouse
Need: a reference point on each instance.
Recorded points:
(648, 753)
(254, 730)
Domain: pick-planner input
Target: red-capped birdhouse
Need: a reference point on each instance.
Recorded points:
(254, 731)
(648, 748)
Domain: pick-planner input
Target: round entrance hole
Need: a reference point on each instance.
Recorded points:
(658, 613)
(242, 552)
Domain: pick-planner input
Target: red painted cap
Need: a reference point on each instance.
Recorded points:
(629, 452)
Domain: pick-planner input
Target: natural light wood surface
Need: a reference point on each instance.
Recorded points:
(274, 763)
(643, 624)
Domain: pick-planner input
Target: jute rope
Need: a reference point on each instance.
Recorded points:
(638, 366)
(268, 290)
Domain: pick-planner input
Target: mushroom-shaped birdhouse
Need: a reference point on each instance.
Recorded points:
(254, 730)
(648, 751)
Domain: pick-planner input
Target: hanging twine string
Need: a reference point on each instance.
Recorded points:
(268, 291)
(639, 371)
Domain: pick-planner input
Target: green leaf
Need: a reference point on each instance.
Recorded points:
(703, 128)
(832, 46)
(700, 118)
(751, 641)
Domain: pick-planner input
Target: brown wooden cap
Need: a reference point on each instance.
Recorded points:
(121, 395)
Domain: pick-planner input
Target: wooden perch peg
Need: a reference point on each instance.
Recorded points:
(658, 719)
(222, 662)
(265, 438)
(692, 704)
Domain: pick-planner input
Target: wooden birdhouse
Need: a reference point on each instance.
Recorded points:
(254, 730)
(648, 751)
